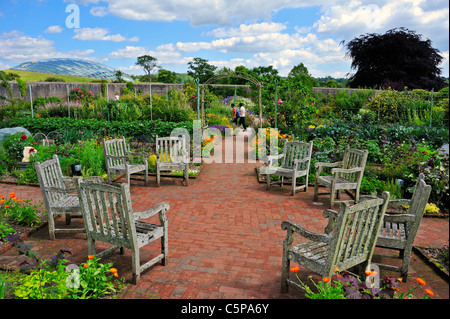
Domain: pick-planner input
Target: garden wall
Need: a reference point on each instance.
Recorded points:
(327, 91)
(61, 89)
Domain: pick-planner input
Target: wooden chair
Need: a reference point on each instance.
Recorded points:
(172, 153)
(295, 162)
(118, 160)
(108, 217)
(349, 240)
(399, 231)
(59, 199)
(346, 174)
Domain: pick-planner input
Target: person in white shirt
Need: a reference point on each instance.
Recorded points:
(242, 116)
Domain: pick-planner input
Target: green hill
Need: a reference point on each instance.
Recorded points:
(29, 76)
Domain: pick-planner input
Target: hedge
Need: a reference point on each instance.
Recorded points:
(98, 127)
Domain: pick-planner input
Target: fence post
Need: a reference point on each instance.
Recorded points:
(431, 111)
(31, 100)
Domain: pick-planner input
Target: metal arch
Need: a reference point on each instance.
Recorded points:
(236, 74)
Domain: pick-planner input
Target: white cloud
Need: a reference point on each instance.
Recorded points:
(54, 29)
(100, 34)
(18, 47)
(99, 11)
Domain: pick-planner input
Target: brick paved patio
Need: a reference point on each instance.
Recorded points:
(225, 239)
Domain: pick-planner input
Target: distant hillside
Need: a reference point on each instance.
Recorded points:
(28, 76)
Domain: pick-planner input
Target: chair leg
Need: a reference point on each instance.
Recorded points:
(135, 265)
(158, 176)
(294, 184)
(186, 174)
(332, 196)
(91, 246)
(51, 226)
(316, 190)
(281, 181)
(285, 274)
(146, 176)
(268, 181)
(406, 255)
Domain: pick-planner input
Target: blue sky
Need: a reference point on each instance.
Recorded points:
(227, 33)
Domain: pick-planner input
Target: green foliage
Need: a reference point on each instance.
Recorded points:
(15, 144)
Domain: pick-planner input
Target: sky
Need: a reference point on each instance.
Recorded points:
(227, 33)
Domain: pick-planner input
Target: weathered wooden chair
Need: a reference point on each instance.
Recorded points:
(59, 198)
(172, 153)
(346, 174)
(295, 162)
(118, 160)
(399, 231)
(349, 240)
(108, 217)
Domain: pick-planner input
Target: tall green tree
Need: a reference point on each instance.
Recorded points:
(201, 69)
(397, 59)
(149, 64)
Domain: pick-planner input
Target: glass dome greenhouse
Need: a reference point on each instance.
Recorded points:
(74, 67)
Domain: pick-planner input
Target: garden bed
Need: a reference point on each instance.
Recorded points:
(432, 256)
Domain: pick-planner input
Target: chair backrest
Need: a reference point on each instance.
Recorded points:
(296, 150)
(172, 149)
(355, 232)
(114, 151)
(50, 176)
(354, 158)
(107, 212)
(418, 203)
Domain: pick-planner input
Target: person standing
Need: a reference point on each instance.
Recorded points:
(242, 116)
(235, 115)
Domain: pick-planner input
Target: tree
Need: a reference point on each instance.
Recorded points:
(397, 59)
(149, 64)
(201, 69)
(166, 76)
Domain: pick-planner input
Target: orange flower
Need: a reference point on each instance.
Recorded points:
(400, 279)
(7, 206)
(12, 194)
(116, 275)
(326, 279)
(91, 256)
(20, 200)
(295, 269)
(85, 265)
(2, 200)
(336, 269)
(421, 281)
(429, 292)
(14, 198)
(371, 273)
(395, 288)
(113, 270)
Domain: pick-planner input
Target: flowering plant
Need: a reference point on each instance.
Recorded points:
(15, 144)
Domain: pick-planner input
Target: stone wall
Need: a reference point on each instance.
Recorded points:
(61, 89)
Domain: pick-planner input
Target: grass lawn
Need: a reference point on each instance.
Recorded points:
(29, 76)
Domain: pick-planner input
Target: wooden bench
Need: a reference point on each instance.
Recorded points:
(295, 162)
(399, 230)
(172, 153)
(118, 159)
(108, 217)
(349, 240)
(59, 198)
(346, 174)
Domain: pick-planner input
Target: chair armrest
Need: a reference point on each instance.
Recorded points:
(346, 170)
(292, 227)
(398, 203)
(320, 166)
(324, 164)
(159, 208)
(331, 215)
(60, 190)
(399, 218)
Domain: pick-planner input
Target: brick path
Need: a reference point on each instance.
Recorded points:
(225, 239)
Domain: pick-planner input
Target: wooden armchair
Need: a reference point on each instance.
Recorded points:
(399, 231)
(295, 162)
(349, 240)
(108, 217)
(59, 199)
(118, 160)
(172, 153)
(346, 174)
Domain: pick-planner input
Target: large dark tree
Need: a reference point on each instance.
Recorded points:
(399, 58)
(201, 69)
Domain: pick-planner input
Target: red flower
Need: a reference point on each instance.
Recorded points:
(32, 150)
(23, 137)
